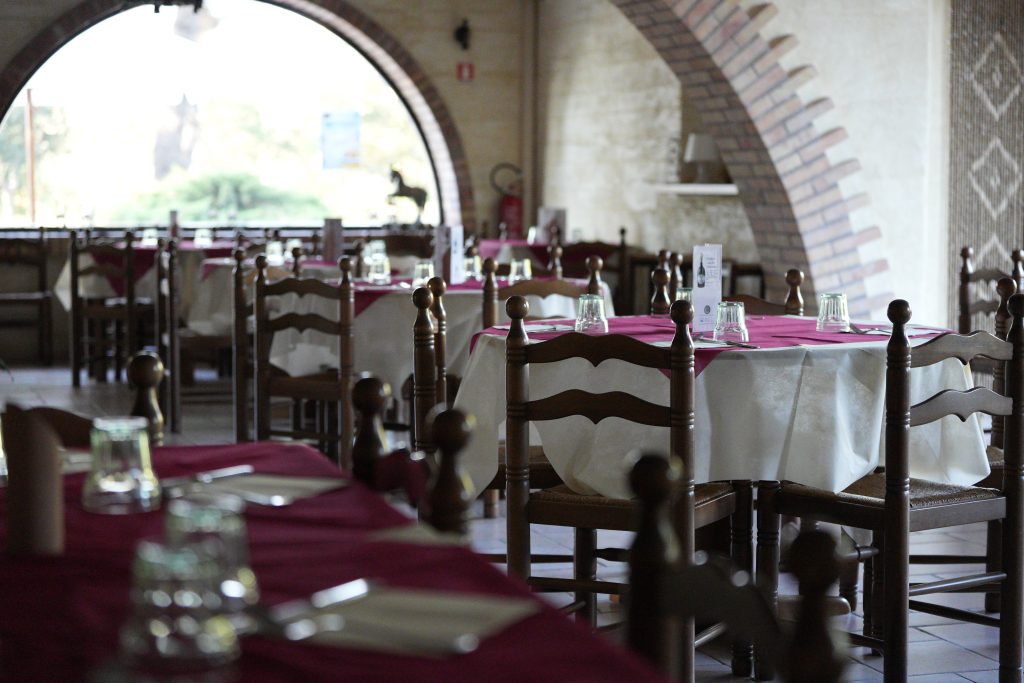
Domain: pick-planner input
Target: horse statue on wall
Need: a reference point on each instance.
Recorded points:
(416, 194)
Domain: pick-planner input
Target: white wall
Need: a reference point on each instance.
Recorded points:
(885, 65)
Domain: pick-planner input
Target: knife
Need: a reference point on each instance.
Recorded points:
(205, 477)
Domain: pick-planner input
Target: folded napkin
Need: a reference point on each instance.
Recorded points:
(421, 622)
(276, 485)
(418, 534)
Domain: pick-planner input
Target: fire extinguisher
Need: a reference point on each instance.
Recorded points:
(507, 181)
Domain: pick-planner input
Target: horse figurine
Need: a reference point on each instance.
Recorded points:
(417, 194)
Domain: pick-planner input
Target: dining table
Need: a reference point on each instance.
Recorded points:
(190, 258)
(383, 324)
(60, 616)
(801, 405)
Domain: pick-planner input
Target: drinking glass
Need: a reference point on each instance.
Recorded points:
(149, 237)
(833, 316)
(121, 480)
(202, 237)
(422, 272)
(684, 294)
(379, 270)
(216, 520)
(590, 318)
(176, 622)
(731, 323)
(520, 269)
(473, 267)
(275, 253)
(291, 245)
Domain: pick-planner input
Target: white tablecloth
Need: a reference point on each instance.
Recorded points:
(811, 414)
(383, 332)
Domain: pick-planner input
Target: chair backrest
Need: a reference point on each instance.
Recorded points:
(1005, 288)
(969, 304)
(399, 244)
(240, 349)
(900, 414)
(168, 338)
(266, 326)
(521, 410)
(27, 253)
(794, 299)
(112, 261)
(424, 374)
(665, 591)
(534, 287)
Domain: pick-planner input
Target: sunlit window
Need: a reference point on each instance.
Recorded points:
(244, 113)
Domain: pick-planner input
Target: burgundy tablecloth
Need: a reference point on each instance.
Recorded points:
(145, 256)
(59, 617)
(766, 332)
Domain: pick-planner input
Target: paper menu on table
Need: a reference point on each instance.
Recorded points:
(707, 286)
(448, 254)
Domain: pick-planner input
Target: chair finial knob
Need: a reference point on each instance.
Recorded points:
(682, 312)
(422, 298)
(899, 312)
(517, 307)
(437, 286)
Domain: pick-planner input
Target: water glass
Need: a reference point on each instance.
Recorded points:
(378, 270)
(590, 318)
(217, 521)
(275, 253)
(473, 268)
(731, 323)
(176, 624)
(833, 315)
(149, 237)
(422, 272)
(121, 480)
(291, 245)
(203, 237)
(684, 294)
(520, 269)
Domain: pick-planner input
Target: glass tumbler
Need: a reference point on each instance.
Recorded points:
(473, 267)
(833, 315)
(217, 521)
(379, 270)
(176, 624)
(422, 272)
(684, 294)
(590, 318)
(121, 480)
(731, 323)
(275, 253)
(520, 269)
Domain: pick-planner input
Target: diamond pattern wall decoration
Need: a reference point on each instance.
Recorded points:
(995, 176)
(996, 77)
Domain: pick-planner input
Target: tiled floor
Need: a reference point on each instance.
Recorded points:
(940, 650)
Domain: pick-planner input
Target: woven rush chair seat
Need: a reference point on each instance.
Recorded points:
(712, 501)
(868, 494)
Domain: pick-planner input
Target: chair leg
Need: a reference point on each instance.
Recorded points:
(741, 551)
(119, 350)
(896, 608)
(585, 568)
(492, 499)
(768, 524)
(102, 345)
(874, 603)
(993, 561)
(849, 573)
(1011, 620)
(45, 333)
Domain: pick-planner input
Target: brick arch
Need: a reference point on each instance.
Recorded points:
(392, 60)
(747, 101)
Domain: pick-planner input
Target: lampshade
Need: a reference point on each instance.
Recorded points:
(700, 147)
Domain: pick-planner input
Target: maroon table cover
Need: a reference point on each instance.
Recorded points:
(59, 617)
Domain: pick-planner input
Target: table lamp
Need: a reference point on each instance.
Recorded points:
(702, 153)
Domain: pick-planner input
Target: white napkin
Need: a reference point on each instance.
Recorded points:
(421, 622)
(276, 485)
(418, 534)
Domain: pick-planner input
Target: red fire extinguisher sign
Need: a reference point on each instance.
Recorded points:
(464, 71)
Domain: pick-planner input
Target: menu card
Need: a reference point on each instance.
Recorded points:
(550, 220)
(333, 244)
(449, 247)
(707, 286)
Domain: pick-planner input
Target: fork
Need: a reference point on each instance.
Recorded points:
(727, 342)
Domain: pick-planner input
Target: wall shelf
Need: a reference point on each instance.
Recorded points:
(697, 189)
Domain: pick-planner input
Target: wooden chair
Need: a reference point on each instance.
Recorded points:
(891, 504)
(794, 300)
(329, 389)
(30, 255)
(969, 304)
(573, 260)
(178, 346)
(666, 589)
(697, 505)
(104, 329)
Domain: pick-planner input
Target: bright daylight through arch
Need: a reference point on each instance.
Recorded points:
(244, 113)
